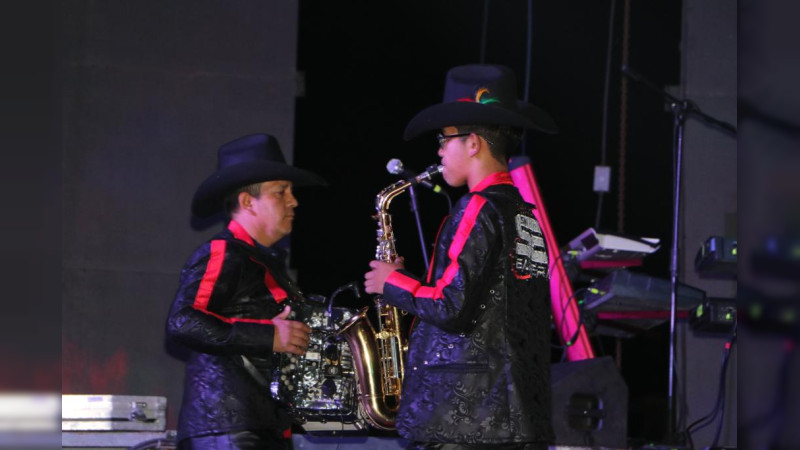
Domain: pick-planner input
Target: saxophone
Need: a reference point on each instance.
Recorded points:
(378, 356)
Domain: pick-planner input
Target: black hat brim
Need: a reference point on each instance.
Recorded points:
(443, 115)
(211, 193)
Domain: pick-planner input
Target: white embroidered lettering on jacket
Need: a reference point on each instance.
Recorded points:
(530, 257)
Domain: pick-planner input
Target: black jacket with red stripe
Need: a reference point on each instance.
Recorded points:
(229, 290)
(478, 368)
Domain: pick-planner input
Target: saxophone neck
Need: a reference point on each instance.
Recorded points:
(393, 190)
(385, 197)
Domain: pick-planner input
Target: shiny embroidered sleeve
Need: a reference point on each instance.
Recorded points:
(195, 319)
(467, 252)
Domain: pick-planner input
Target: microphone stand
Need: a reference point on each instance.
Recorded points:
(413, 194)
(681, 109)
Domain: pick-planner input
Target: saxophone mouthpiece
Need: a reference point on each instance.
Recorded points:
(435, 169)
(395, 166)
(428, 174)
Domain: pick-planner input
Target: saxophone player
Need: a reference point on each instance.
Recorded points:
(232, 301)
(477, 373)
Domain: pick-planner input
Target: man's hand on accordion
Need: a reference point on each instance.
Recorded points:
(291, 336)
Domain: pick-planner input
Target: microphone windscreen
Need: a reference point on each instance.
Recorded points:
(395, 166)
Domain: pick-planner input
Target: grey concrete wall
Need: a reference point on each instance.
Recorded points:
(709, 200)
(150, 90)
(769, 68)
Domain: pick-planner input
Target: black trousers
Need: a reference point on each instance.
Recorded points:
(238, 440)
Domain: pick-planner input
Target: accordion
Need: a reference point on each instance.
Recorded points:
(320, 387)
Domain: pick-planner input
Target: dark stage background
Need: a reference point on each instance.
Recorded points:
(150, 90)
(366, 75)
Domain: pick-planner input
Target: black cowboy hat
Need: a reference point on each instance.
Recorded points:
(480, 94)
(250, 159)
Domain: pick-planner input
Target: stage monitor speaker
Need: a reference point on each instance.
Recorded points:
(590, 403)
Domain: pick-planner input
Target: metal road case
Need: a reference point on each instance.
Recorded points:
(113, 412)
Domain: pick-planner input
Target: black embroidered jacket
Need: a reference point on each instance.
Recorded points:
(229, 290)
(478, 368)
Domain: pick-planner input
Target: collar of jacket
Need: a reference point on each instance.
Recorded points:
(493, 179)
(240, 234)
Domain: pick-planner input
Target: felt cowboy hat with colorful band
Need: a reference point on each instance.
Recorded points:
(480, 94)
(247, 160)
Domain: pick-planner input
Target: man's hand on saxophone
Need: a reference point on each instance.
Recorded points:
(376, 278)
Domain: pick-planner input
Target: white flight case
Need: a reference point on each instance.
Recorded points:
(114, 421)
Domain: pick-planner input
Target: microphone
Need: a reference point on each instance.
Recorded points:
(395, 167)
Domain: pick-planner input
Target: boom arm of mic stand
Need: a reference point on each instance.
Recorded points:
(688, 106)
